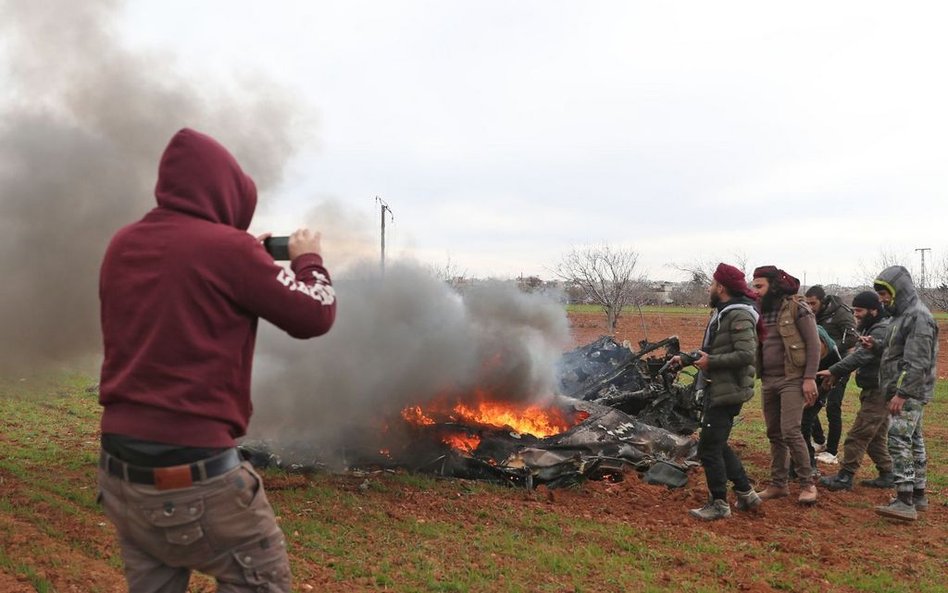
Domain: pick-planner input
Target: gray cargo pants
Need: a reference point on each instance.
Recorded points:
(907, 447)
(223, 526)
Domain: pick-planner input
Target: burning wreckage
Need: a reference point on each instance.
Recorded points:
(619, 409)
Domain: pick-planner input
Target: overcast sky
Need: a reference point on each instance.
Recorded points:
(809, 135)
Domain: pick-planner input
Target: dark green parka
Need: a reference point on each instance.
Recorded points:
(731, 344)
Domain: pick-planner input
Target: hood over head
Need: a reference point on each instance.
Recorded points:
(898, 281)
(200, 177)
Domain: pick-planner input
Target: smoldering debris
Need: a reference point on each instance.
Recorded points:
(575, 438)
(405, 338)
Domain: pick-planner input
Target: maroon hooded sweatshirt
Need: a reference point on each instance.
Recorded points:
(181, 291)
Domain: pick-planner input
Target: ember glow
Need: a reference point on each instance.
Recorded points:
(462, 442)
(534, 420)
(415, 415)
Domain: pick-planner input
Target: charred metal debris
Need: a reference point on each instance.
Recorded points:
(628, 410)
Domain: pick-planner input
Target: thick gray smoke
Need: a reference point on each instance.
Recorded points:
(400, 340)
(82, 126)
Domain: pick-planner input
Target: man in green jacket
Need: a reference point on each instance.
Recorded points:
(907, 380)
(726, 380)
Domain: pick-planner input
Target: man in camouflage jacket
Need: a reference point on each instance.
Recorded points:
(907, 380)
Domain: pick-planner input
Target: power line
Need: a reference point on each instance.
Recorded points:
(923, 250)
(383, 208)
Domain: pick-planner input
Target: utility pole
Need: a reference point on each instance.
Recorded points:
(383, 208)
(922, 250)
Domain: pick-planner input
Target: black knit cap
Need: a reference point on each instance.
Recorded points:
(867, 300)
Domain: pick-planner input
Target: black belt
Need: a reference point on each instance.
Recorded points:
(175, 476)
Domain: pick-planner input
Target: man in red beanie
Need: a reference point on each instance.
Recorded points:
(787, 362)
(726, 380)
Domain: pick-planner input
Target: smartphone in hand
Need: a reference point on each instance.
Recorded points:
(278, 247)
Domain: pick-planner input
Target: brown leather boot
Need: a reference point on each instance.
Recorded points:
(773, 491)
(807, 494)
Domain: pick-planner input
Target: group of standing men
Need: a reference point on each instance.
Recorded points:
(804, 349)
(179, 322)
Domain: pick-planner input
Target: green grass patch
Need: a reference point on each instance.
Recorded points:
(415, 533)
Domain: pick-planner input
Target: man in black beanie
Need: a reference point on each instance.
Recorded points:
(871, 427)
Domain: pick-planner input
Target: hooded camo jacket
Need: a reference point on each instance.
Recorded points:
(910, 350)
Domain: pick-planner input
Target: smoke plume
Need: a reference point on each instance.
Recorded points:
(402, 340)
(84, 121)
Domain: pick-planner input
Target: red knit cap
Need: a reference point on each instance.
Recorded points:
(733, 279)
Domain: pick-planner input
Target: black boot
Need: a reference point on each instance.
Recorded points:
(885, 480)
(841, 481)
(920, 500)
(902, 507)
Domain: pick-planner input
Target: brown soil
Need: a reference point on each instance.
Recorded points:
(71, 550)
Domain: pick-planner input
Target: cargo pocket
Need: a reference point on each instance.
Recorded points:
(265, 565)
(247, 485)
(798, 354)
(179, 522)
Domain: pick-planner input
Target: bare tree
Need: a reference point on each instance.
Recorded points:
(740, 260)
(450, 274)
(701, 271)
(936, 294)
(606, 275)
(694, 291)
(868, 272)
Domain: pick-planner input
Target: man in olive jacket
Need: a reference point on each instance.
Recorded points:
(907, 380)
(727, 381)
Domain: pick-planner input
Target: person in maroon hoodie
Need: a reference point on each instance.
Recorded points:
(181, 291)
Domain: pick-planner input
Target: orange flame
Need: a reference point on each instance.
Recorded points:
(539, 422)
(415, 415)
(534, 420)
(462, 442)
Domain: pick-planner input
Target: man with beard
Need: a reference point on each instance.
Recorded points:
(871, 426)
(787, 361)
(837, 319)
(727, 379)
(907, 379)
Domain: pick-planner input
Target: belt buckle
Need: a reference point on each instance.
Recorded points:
(170, 478)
